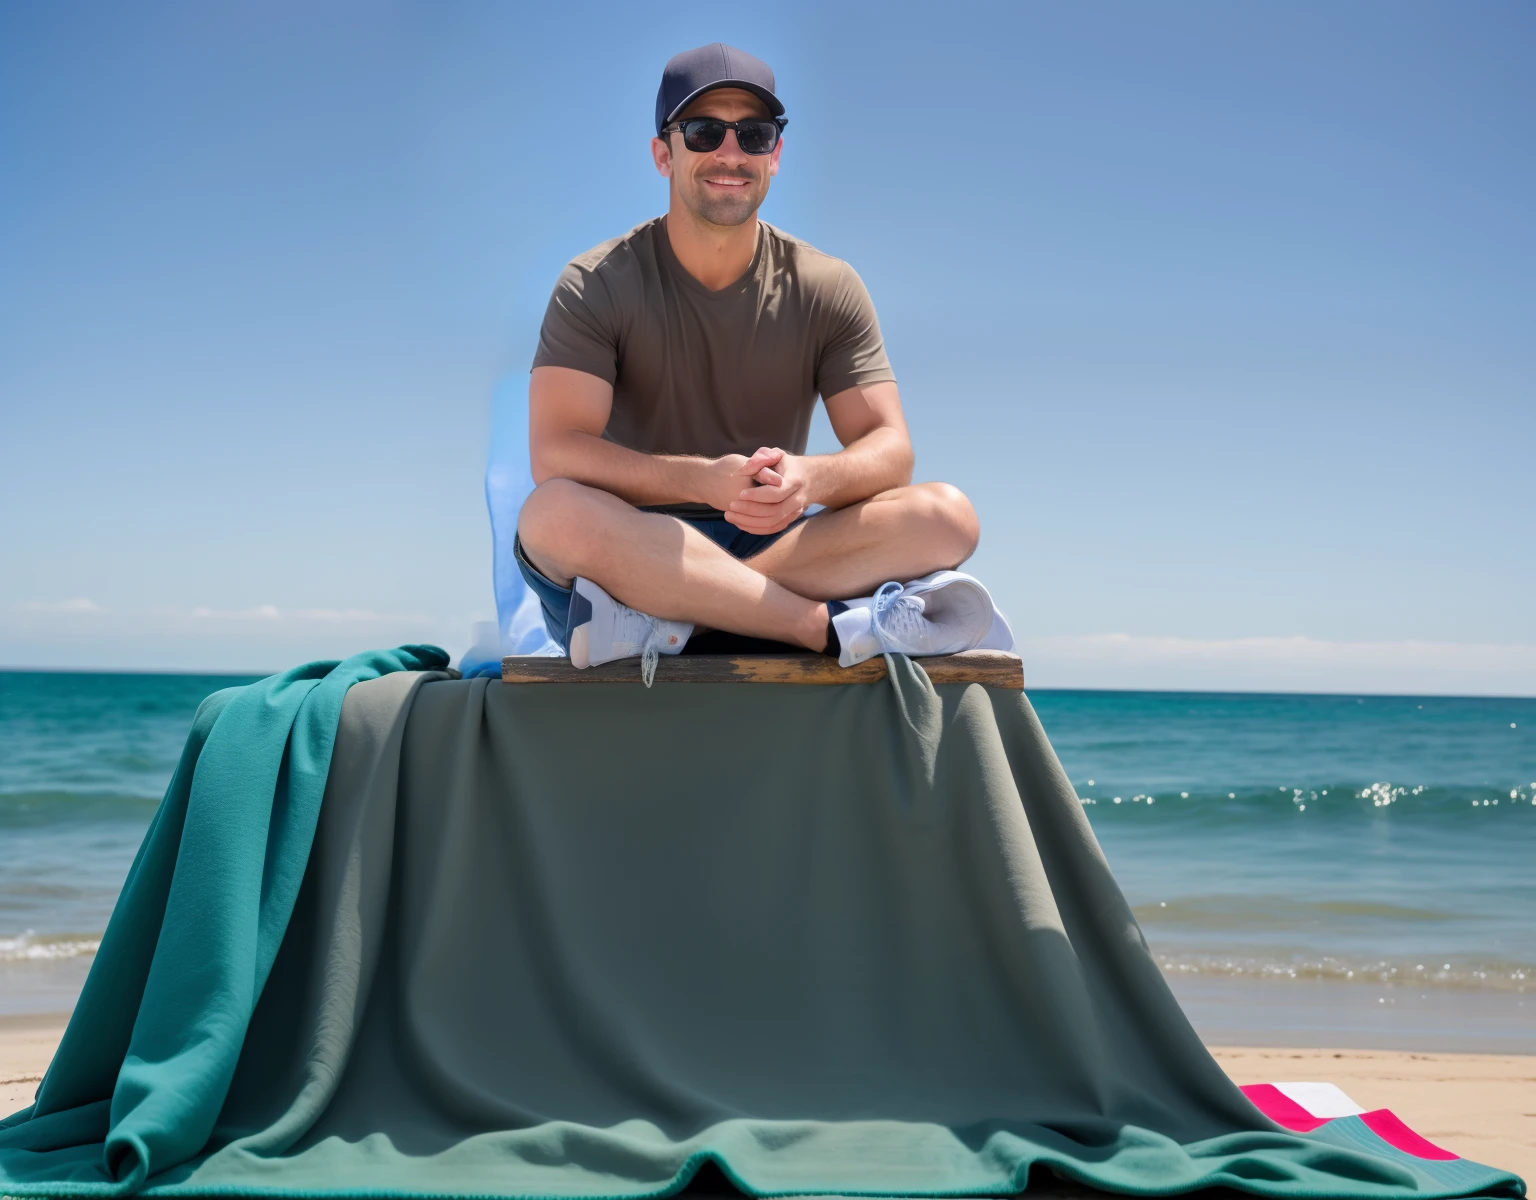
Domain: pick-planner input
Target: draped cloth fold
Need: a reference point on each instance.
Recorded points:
(582, 940)
(149, 1053)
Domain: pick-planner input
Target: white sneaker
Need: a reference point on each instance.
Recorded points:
(943, 613)
(600, 629)
(999, 635)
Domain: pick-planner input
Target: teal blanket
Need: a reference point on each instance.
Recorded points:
(151, 1048)
(590, 940)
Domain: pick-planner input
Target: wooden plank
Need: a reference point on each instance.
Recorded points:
(991, 667)
(995, 668)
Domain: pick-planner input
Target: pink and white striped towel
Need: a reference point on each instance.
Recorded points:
(1304, 1107)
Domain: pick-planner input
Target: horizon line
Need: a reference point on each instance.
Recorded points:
(13, 669)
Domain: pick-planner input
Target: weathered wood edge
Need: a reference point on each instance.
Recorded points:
(991, 667)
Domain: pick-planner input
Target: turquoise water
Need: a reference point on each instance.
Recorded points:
(84, 760)
(1369, 839)
(1384, 839)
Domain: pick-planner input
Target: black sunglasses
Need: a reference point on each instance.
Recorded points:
(704, 134)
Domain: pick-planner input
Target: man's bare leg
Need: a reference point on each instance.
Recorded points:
(901, 534)
(658, 565)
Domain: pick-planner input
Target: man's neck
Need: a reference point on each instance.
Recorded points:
(716, 255)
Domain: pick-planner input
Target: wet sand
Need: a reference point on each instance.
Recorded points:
(1481, 1106)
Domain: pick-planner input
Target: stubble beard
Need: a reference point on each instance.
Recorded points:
(726, 211)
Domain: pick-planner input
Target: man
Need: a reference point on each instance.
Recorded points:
(670, 401)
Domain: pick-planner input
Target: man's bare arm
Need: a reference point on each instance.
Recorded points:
(876, 456)
(877, 450)
(567, 413)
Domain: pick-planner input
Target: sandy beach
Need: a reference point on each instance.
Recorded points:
(1481, 1106)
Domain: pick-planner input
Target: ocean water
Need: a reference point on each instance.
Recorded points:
(1347, 839)
(1332, 839)
(84, 760)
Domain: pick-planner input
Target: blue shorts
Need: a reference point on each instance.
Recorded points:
(556, 600)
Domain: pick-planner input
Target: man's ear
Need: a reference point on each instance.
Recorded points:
(661, 152)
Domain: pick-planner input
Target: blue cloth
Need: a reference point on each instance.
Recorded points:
(508, 480)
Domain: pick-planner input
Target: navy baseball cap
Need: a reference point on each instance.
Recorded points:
(693, 72)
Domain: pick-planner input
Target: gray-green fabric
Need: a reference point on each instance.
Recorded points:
(579, 940)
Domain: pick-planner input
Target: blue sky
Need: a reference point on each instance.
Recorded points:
(1223, 314)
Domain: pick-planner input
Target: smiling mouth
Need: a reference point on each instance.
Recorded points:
(727, 181)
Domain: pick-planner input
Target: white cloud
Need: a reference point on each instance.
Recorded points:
(77, 604)
(262, 612)
(1119, 660)
(360, 615)
(258, 638)
(270, 612)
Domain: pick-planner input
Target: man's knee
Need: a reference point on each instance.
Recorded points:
(947, 519)
(557, 523)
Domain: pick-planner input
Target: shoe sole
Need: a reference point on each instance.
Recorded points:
(977, 603)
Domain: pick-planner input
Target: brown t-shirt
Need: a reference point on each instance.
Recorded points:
(711, 373)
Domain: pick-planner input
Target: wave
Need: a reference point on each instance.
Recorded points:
(1108, 800)
(1467, 975)
(36, 808)
(47, 947)
(1484, 975)
(1268, 912)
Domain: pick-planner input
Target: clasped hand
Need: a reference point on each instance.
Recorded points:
(770, 489)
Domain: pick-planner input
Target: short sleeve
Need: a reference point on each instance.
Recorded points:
(580, 330)
(852, 351)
